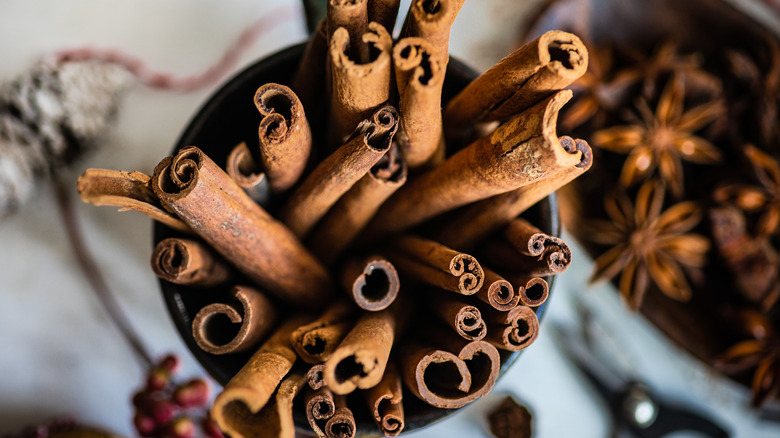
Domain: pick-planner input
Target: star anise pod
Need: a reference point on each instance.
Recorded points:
(648, 244)
(662, 139)
(761, 353)
(763, 199)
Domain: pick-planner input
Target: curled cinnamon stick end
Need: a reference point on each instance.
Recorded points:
(352, 15)
(216, 208)
(533, 292)
(314, 376)
(523, 78)
(419, 73)
(256, 319)
(514, 330)
(552, 254)
(437, 265)
(498, 292)
(358, 88)
(432, 20)
(450, 377)
(342, 423)
(372, 283)
(242, 168)
(320, 406)
(481, 219)
(361, 358)
(315, 341)
(337, 173)
(284, 134)
(254, 384)
(188, 262)
(385, 401)
(128, 191)
(458, 314)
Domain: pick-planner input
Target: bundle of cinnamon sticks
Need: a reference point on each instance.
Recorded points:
(389, 253)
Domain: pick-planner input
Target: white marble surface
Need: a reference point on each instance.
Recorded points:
(59, 353)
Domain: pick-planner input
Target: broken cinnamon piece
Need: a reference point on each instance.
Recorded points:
(456, 312)
(188, 262)
(497, 291)
(342, 423)
(514, 330)
(551, 252)
(432, 20)
(384, 12)
(254, 384)
(242, 168)
(385, 401)
(419, 74)
(314, 376)
(309, 78)
(207, 199)
(360, 359)
(284, 135)
(529, 74)
(347, 218)
(372, 282)
(320, 407)
(358, 89)
(129, 191)
(435, 264)
(337, 173)
(521, 151)
(473, 225)
(510, 420)
(258, 316)
(352, 15)
(451, 373)
(316, 340)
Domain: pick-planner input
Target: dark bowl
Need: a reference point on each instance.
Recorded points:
(230, 117)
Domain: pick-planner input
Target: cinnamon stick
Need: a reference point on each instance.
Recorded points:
(532, 291)
(257, 318)
(476, 222)
(320, 407)
(284, 134)
(315, 341)
(205, 197)
(498, 292)
(384, 12)
(342, 423)
(188, 262)
(310, 77)
(552, 255)
(435, 264)
(254, 384)
(361, 358)
(386, 402)
(372, 282)
(456, 312)
(358, 89)
(314, 376)
(352, 15)
(241, 167)
(337, 173)
(419, 74)
(129, 191)
(347, 218)
(514, 330)
(529, 74)
(431, 20)
(452, 373)
(521, 151)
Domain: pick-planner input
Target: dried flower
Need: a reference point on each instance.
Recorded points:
(662, 140)
(648, 245)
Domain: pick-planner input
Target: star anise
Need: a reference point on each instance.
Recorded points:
(662, 139)
(648, 244)
(763, 199)
(760, 353)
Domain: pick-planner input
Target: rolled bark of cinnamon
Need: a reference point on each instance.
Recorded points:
(257, 318)
(419, 74)
(342, 423)
(533, 291)
(284, 135)
(352, 15)
(435, 264)
(358, 89)
(337, 173)
(361, 358)
(498, 292)
(320, 407)
(473, 225)
(129, 191)
(372, 282)
(521, 151)
(423, 363)
(385, 400)
(310, 78)
(315, 341)
(432, 20)
(552, 254)
(529, 74)
(205, 197)
(241, 167)
(254, 384)
(188, 262)
(314, 376)
(514, 330)
(384, 12)
(508, 260)
(347, 218)
(455, 311)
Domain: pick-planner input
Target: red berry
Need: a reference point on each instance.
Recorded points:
(181, 427)
(143, 400)
(163, 411)
(194, 393)
(210, 428)
(158, 379)
(146, 426)
(170, 363)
